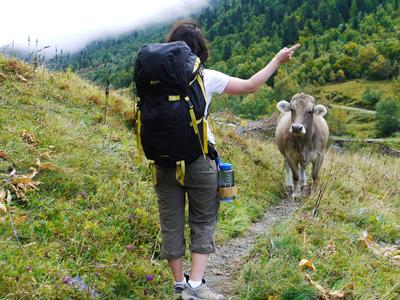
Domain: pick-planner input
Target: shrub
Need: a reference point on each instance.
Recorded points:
(372, 97)
(340, 76)
(388, 116)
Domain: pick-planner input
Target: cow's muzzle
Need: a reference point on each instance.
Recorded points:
(297, 129)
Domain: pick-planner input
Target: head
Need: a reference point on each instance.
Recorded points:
(189, 32)
(302, 109)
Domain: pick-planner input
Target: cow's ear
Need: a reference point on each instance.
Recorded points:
(283, 106)
(320, 110)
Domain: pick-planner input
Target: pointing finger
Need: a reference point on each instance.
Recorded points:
(295, 47)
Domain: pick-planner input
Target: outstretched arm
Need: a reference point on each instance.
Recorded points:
(237, 86)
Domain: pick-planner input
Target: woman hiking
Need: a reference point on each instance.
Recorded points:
(200, 179)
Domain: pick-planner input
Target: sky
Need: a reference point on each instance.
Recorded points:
(73, 23)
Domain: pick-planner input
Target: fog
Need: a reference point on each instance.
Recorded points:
(72, 24)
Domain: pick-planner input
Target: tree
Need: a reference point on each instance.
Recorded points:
(388, 116)
(354, 14)
(340, 75)
(379, 69)
(332, 76)
(367, 55)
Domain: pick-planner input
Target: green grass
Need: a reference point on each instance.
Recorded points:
(361, 193)
(99, 200)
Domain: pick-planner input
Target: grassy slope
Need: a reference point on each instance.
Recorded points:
(356, 123)
(361, 194)
(99, 200)
(354, 89)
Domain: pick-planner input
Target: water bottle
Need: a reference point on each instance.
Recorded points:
(226, 182)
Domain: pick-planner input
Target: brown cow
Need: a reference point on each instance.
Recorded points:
(301, 136)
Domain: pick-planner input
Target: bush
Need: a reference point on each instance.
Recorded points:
(388, 116)
(371, 97)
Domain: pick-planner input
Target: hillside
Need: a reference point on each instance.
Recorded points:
(352, 241)
(94, 212)
(347, 48)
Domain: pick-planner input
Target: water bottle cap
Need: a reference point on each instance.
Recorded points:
(225, 166)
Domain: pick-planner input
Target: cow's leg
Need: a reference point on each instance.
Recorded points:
(294, 167)
(289, 187)
(303, 176)
(317, 163)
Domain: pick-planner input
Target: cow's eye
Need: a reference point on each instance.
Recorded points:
(311, 112)
(292, 109)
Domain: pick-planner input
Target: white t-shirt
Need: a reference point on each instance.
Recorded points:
(214, 83)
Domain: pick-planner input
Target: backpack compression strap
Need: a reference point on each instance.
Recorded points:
(179, 172)
(195, 128)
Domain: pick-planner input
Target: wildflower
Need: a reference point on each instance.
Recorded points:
(67, 280)
(149, 277)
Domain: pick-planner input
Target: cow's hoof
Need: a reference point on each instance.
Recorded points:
(289, 189)
(297, 195)
(305, 190)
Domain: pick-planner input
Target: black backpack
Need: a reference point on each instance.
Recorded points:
(171, 126)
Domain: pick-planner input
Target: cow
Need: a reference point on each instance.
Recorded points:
(301, 136)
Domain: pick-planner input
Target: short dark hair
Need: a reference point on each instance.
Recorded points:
(189, 32)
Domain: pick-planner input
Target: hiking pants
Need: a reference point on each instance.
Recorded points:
(200, 184)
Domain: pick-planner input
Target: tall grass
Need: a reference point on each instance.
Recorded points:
(362, 194)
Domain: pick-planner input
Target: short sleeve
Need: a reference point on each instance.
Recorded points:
(214, 82)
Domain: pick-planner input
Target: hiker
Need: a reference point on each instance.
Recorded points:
(198, 177)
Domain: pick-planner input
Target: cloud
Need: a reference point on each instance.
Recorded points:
(72, 24)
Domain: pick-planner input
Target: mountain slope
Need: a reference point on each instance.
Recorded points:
(336, 35)
(95, 214)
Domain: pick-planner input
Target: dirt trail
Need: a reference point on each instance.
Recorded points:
(228, 258)
(367, 111)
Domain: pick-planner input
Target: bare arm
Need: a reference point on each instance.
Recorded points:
(237, 86)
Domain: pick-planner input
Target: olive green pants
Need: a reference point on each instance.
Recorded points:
(200, 185)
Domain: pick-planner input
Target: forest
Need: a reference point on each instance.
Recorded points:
(340, 40)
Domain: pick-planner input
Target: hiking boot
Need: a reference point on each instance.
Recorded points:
(203, 292)
(179, 287)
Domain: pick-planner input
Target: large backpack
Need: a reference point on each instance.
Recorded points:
(171, 127)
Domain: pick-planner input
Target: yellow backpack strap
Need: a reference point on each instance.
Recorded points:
(194, 122)
(196, 64)
(153, 169)
(205, 135)
(205, 132)
(180, 172)
(192, 115)
(211, 121)
(138, 138)
(201, 83)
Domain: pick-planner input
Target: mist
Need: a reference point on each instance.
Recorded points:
(71, 25)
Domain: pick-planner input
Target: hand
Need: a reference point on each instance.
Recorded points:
(285, 54)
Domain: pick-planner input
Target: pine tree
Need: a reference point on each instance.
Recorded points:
(354, 14)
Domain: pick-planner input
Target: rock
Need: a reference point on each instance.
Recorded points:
(336, 148)
(261, 128)
(2, 76)
(22, 78)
